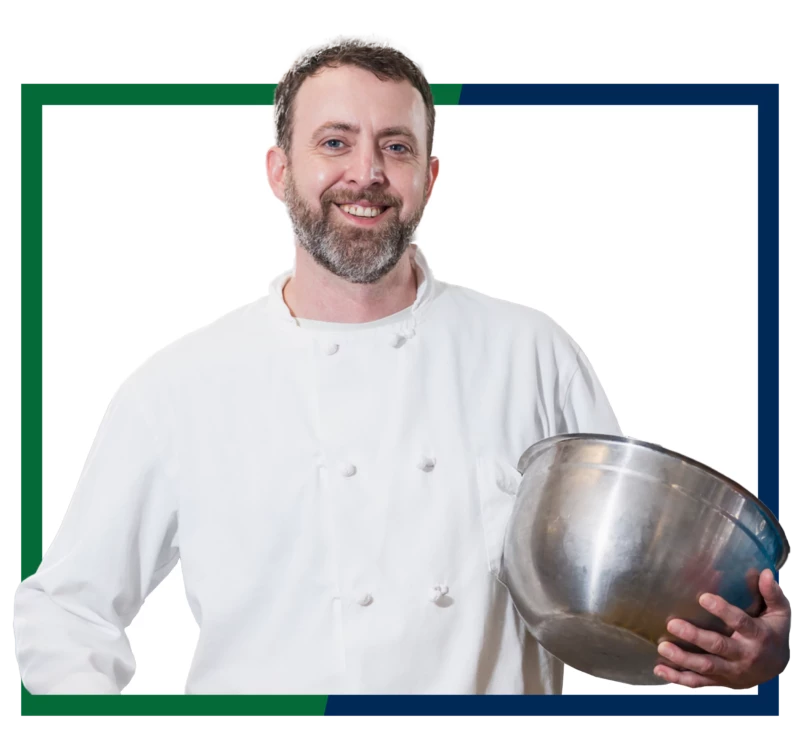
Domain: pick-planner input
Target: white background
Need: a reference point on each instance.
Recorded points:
(634, 227)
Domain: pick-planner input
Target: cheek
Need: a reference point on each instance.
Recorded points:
(416, 191)
(314, 180)
(322, 180)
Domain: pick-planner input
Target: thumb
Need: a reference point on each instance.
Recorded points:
(772, 593)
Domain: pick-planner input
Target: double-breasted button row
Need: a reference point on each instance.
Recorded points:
(436, 595)
(398, 339)
(426, 463)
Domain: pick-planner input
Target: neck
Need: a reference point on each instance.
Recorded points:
(314, 293)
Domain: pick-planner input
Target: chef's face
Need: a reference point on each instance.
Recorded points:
(359, 140)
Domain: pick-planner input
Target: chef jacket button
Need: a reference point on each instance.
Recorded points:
(506, 485)
(399, 338)
(365, 600)
(426, 464)
(437, 592)
(347, 469)
(331, 348)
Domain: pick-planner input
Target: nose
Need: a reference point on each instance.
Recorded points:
(366, 167)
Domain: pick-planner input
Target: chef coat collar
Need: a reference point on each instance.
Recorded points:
(426, 291)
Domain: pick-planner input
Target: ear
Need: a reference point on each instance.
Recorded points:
(433, 172)
(276, 171)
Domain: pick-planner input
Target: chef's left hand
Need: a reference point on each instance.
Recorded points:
(757, 651)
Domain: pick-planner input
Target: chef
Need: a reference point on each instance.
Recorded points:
(334, 463)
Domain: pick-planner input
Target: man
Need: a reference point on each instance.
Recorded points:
(334, 463)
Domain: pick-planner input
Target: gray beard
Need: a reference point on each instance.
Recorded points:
(358, 255)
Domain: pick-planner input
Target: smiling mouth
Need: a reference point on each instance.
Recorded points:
(366, 213)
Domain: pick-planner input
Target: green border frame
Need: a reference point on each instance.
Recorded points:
(34, 98)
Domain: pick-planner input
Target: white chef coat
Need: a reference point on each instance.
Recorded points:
(337, 498)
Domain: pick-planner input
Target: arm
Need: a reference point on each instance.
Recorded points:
(117, 542)
(585, 407)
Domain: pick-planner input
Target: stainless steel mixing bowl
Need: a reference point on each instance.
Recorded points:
(611, 537)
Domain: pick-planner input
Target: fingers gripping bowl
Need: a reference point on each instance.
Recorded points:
(612, 537)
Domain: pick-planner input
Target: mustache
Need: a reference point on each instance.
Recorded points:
(344, 197)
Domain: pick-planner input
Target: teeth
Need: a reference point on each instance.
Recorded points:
(364, 212)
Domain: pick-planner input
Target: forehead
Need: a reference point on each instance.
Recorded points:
(357, 96)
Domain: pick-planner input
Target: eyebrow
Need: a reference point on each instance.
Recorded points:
(338, 125)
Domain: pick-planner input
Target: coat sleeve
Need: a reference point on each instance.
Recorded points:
(117, 542)
(585, 407)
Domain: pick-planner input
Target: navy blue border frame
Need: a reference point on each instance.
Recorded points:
(765, 97)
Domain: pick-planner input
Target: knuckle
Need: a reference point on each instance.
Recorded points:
(705, 666)
(740, 620)
(717, 646)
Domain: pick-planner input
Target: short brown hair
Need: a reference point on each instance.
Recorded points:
(383, 61)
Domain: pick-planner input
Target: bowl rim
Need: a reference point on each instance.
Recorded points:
(539, 447)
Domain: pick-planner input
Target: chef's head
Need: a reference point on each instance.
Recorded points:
(354, 123)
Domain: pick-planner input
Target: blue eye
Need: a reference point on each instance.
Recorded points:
(401, 145)
(332, 140)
